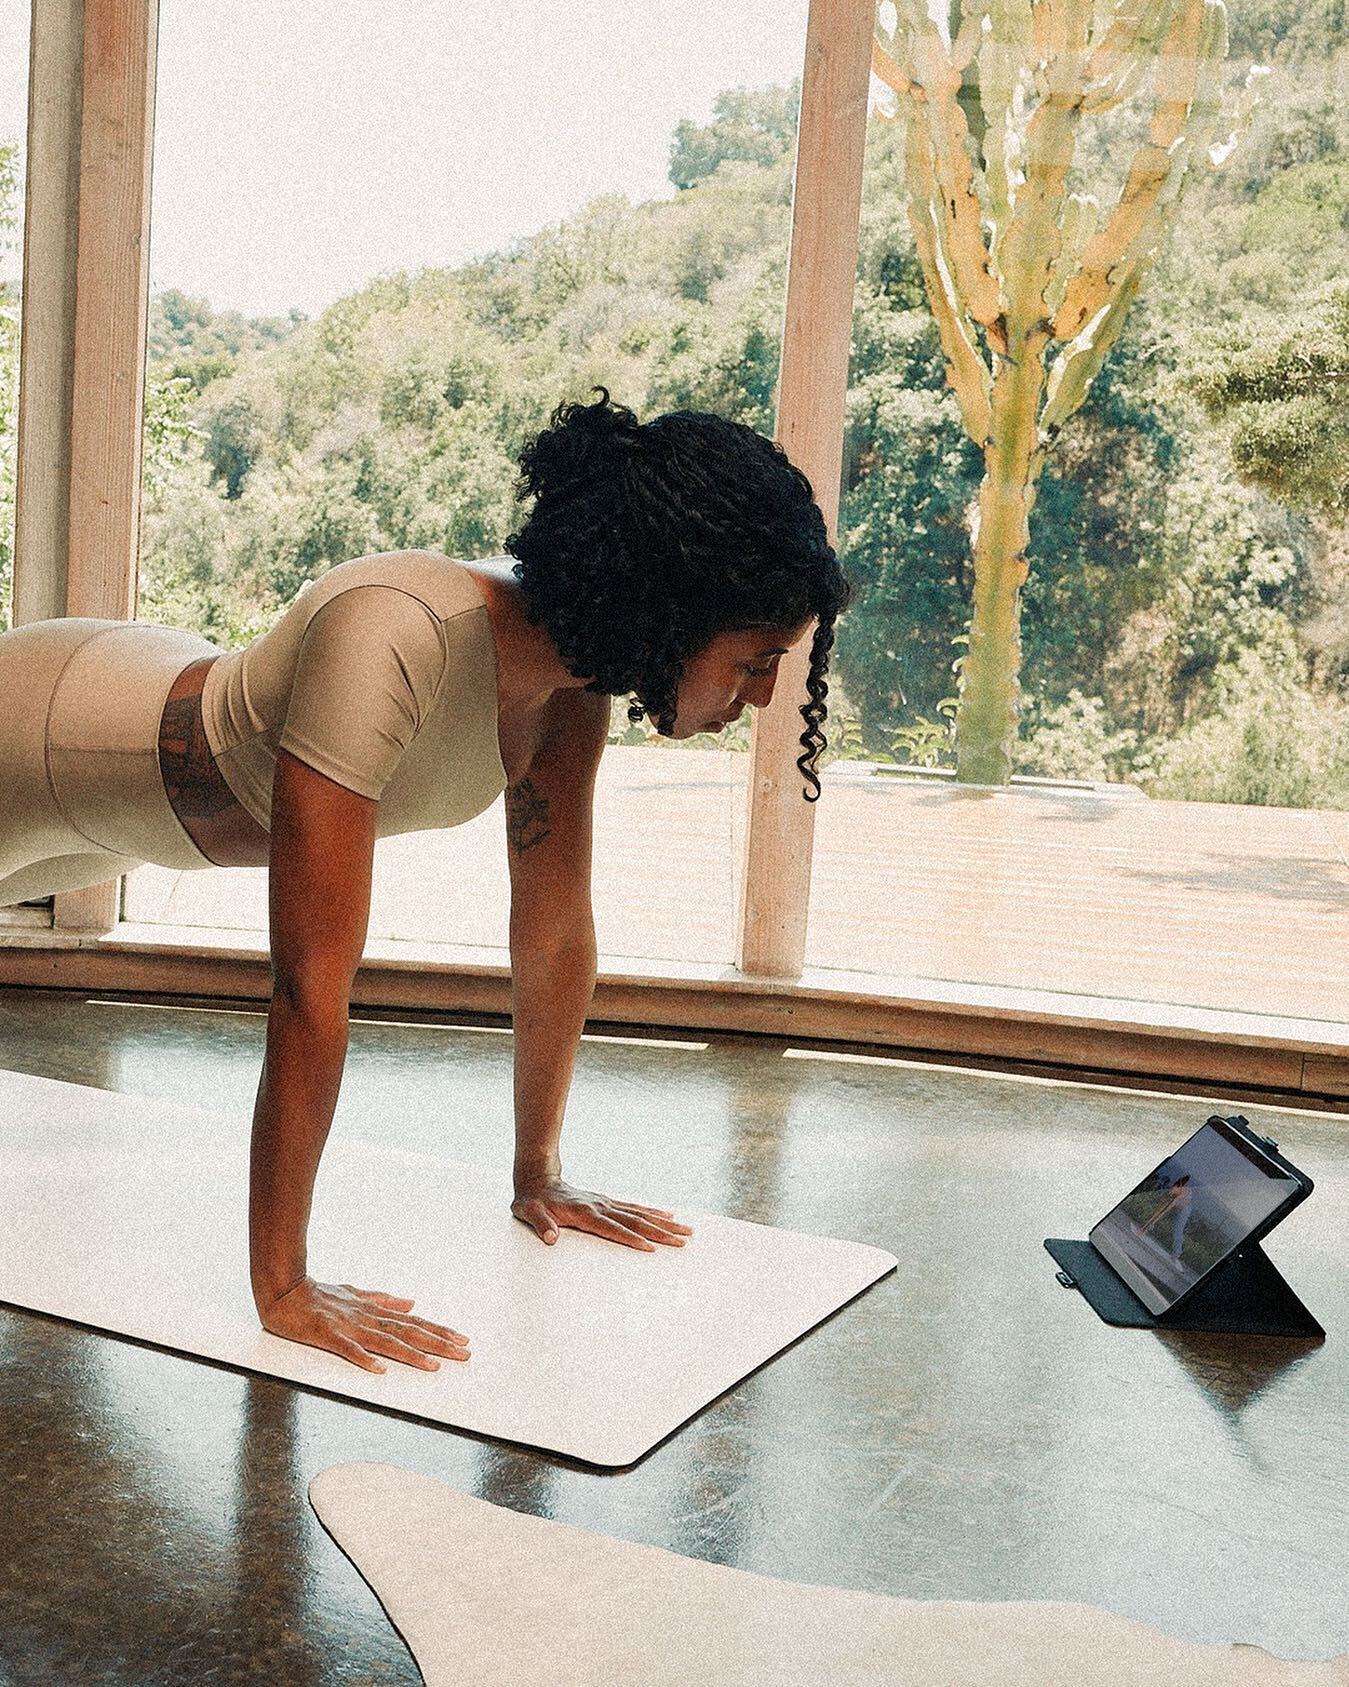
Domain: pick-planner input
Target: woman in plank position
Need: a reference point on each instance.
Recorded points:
(673, 561)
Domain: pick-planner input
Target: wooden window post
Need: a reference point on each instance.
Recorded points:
(82, 354)
(812, 393)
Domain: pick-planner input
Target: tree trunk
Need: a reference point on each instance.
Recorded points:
(990, 689)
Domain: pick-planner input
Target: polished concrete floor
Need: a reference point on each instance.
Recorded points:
(965, 1429)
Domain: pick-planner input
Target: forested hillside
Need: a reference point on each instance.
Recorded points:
(1186, 617)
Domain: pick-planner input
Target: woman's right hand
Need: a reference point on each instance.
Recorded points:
(358, 1323)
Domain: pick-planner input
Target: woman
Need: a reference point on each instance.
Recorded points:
(1177, 1207)
(674, 561)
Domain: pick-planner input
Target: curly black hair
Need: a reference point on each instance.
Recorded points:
(646, 540)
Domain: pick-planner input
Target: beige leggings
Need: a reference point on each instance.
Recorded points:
(82, 799)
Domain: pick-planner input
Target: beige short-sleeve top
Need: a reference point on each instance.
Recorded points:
(381, 674)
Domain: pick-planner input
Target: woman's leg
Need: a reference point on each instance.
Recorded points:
(62, 872)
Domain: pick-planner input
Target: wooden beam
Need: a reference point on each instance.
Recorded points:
(1009, 1038)
(86, 295)
(812, 392)
(111, 302)
(47, 327)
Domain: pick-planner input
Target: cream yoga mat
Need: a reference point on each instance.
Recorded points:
(482, 1594)
(131, 1215)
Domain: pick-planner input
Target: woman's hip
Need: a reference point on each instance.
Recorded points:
(84, 698)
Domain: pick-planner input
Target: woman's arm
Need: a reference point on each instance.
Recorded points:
(297, 1095)
(550, 995)
(320, 867)
(552, 938)
(318, 892)
(552, 927)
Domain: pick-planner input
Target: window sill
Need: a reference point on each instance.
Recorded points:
(1097, 1033)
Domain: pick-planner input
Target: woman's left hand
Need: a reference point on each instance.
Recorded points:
(548, 1203)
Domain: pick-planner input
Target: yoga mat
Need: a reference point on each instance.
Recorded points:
(131, 1215)
(482, 1594)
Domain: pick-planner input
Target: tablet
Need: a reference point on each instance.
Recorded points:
(1223, 1187)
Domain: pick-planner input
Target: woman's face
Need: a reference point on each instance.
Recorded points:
(733, 672)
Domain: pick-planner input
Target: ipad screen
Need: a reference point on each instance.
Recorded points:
(1187, 1215)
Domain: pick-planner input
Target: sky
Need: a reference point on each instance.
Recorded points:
(302, 149)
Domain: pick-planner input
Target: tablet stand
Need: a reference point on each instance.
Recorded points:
(1245, 1295)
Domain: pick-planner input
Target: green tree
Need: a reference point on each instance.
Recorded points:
(748, 126)
(1294, 29)
(1280, 386)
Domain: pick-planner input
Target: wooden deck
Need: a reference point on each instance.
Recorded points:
(1085, 892)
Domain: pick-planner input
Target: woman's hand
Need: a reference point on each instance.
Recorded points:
(545, 1203)
(356, 1323)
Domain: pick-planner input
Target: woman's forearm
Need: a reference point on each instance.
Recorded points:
(297, 1096)
(550, 996)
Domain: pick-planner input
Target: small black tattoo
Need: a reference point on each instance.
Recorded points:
(526, 817)
(184, 754)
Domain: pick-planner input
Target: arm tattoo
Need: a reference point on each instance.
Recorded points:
(526, 817)
(194, 783)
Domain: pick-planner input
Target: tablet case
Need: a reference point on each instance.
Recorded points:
(1245, 1295)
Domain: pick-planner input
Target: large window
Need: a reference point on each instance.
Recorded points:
(1175, 830)
(383, 251)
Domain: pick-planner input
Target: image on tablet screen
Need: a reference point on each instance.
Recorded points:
(1187, 1215)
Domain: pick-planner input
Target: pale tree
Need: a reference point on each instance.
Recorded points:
(1028, 283)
